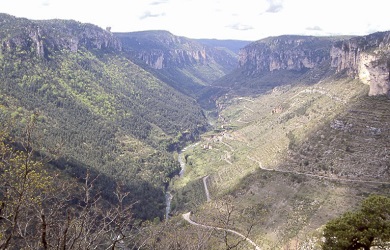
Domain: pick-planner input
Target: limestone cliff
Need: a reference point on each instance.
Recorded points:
(52, 35)
(296, 53)
(159, 59)
(160, 49)
(367, 58)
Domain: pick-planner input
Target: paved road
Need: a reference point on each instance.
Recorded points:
(186, 217)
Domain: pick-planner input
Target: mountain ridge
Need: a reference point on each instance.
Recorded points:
(367, 58)
(107, 112)
(185, 64)
(70, 38)
(294, 133)
(275, 61)
(294, 138)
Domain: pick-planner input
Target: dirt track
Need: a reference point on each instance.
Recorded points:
(186, 217)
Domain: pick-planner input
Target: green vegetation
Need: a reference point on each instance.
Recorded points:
(365, 228)
(185, 64)
(271, 152)
(288, 146)
(101, 110)
(41, 209)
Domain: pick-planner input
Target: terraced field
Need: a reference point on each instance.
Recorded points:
(354, 145)
(289, 157)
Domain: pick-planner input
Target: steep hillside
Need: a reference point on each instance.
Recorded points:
(106, 112)
(233, 46)
(287, 157)
(280, 162)
(184, 63)
(367, 58)
(301, 127)
(275, 61)
(282, 60)
(296, 53)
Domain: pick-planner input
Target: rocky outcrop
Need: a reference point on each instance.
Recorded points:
(44, 37)
(77, 35)
(296, 53)
(159, 59)
(366, 58)
(160, 49)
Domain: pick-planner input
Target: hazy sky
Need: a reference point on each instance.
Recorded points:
(222, 19)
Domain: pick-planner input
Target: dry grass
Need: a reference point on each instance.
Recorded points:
(293, 129)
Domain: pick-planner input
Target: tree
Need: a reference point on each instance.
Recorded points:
(369, 226)
(39, 209)
(24, 182)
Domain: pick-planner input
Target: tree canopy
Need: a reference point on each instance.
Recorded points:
(368, 226)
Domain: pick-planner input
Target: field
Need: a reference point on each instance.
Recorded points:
(286, 159)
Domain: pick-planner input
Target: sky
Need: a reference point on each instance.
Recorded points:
(221, 19)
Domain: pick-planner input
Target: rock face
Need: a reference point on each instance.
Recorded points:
(161, 49)
(296, 53)
(366, 58)
(44, 36)
(159, 59)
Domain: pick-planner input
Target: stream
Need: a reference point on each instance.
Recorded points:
(168, 195)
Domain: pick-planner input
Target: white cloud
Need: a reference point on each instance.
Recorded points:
(317, 28)
(239, 26)
(148, 14)
(274, 6)
(159, 2)
(244, 19)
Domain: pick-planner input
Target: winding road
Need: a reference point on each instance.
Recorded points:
(186, 217)
(206, 190)
(315, 175)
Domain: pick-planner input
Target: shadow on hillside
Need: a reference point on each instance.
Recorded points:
(242, 83)
(149, 200)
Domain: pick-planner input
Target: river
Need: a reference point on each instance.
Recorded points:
(168, 195)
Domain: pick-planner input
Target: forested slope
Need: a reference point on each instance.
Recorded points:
(186, 64)
(105, 112)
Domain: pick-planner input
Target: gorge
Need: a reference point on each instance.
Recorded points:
(283, 130)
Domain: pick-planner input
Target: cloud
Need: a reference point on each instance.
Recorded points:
(274, 6)
(239, 26)
(148, 14)
(159, 2)
(46, 3)
(315, 28)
